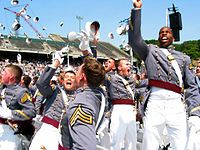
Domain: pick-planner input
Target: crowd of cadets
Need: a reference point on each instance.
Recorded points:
(103, 106)
(47, 98)
(52, 90)
(51, 93)
(66, 109)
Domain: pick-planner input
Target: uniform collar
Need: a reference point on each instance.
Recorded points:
(170, 48)
(12, 85)
(69, 92)
(82, 89)
(125, 77)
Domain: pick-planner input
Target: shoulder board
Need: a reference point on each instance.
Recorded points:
(25, 97)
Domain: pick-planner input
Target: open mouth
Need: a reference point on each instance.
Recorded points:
(106, 65)
(164, 39)
(69, 83)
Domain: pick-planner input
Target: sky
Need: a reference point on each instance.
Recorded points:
(107, 12)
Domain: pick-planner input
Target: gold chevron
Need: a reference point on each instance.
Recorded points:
(22, 113)
(79, 114)
(195, 109)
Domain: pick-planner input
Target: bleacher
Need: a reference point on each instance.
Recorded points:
(56, 42)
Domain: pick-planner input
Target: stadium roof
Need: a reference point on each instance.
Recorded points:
(56, 42)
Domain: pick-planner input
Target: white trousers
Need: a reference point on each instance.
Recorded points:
(165, 109)
(8, 141)
(193, 136)
(123, 127)
(47, 136)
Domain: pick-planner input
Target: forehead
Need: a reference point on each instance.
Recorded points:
(124, 61)
(110, 60)
(69, 74)
(198, 64)
(165, 29)
(6, 69)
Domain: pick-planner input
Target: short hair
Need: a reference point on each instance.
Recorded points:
(94, 71)
(117, 62)
(35, 78)
(163, 28)
(111, 58)
(16, 70)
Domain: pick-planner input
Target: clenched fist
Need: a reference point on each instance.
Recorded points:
(137, 3)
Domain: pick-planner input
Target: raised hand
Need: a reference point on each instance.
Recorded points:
(137, 3)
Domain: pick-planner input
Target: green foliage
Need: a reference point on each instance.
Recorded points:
(191, 48)
(155, 42)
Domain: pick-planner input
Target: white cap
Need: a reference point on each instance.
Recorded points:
(36, 19)
(27, 16)
(61, 24)
(14, 2)
(72, 36)
(16, 25)
(110, 35)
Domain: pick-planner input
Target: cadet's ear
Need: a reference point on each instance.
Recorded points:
(82, 77)
(119, 67)
(173, 39)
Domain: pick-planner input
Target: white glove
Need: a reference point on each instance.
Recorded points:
(194, 121)
(84, 45)
(19, 58)
(84, 36)
(5, 112)
(58, 55)
(65, 50)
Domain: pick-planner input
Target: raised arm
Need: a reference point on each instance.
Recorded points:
(43, 84)
(134, 34)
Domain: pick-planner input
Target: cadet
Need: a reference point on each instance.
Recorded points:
(83, 112)
(68, 78)
(123, 116)
(168, 72)
(197, 78)
(110, 65)
(56, 101)
(16, 109)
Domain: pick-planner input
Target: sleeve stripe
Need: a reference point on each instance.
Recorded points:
(195, 109)
(23, 114)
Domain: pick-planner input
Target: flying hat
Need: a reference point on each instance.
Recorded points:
(14, 2)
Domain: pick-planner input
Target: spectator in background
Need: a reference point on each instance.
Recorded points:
(197, 78)
(33, 87)
(25, 82)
